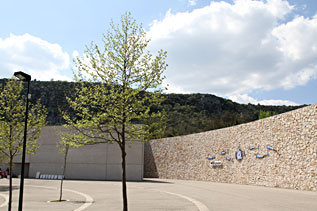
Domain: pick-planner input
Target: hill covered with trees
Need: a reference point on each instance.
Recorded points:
(186, 113)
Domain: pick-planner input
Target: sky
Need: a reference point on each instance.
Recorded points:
(250, 51)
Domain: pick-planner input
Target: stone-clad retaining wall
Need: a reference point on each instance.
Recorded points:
(292, 134)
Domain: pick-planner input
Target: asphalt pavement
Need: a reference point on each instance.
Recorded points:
(155, 194)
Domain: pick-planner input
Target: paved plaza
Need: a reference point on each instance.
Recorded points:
(156, 194)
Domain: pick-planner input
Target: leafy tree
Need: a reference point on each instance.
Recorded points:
(118, 107)
(12, 120)
(264, 114)
(205, 111)
(67, 142)
(64, 145)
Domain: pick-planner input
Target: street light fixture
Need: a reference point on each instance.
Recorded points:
(23, 77)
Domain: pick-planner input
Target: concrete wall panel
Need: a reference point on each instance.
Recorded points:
(133, 153)
(47, 154)
(134, 172)
(87, 162)
(18, 158)
(88, 154)
(113, 154)
(50, 135)
(114, 172)
(86, 171)
(45, 168)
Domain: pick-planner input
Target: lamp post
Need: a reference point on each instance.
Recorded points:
(23, 77)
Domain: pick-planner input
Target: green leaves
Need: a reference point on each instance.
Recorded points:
(265, 114)
(12, 118)
(124, 84)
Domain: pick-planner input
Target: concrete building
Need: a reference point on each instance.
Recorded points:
(94, 162)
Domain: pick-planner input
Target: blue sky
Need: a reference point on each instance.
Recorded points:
(250, 51)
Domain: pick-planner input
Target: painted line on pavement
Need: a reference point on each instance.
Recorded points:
(198, 204)
(6, 200)
(88, 199)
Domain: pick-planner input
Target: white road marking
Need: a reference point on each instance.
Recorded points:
(198, 204)
(6, 200)
(88, 199)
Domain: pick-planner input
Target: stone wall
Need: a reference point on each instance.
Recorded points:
(292, 163)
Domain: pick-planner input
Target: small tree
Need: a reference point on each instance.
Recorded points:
(118, 105)
(63, 148)
(64, 145)
(12, 118)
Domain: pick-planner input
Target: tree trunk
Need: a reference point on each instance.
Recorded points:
(124, 184)
(64, 170)
(10, 184)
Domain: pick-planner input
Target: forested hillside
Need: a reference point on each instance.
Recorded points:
(186, 113)
(192, 113)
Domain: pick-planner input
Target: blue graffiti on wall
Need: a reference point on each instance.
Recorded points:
(216, 163)
(271, 148)
(239, 155)
(224, 152)
(262, 156)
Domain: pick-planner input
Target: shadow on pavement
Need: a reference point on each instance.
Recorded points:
(156, 181)
(80, 202)
(6, 188)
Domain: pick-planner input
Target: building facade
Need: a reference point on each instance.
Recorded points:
(93, 162)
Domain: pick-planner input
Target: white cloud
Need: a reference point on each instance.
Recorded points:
(245, 99)
(232, 49)
(75, 54)
(39, 58)
(192, 2)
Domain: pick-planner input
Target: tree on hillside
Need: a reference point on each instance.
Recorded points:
(125, 84)
(264, 114)
(12, 120)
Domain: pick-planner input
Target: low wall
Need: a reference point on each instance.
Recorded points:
(279, 151)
